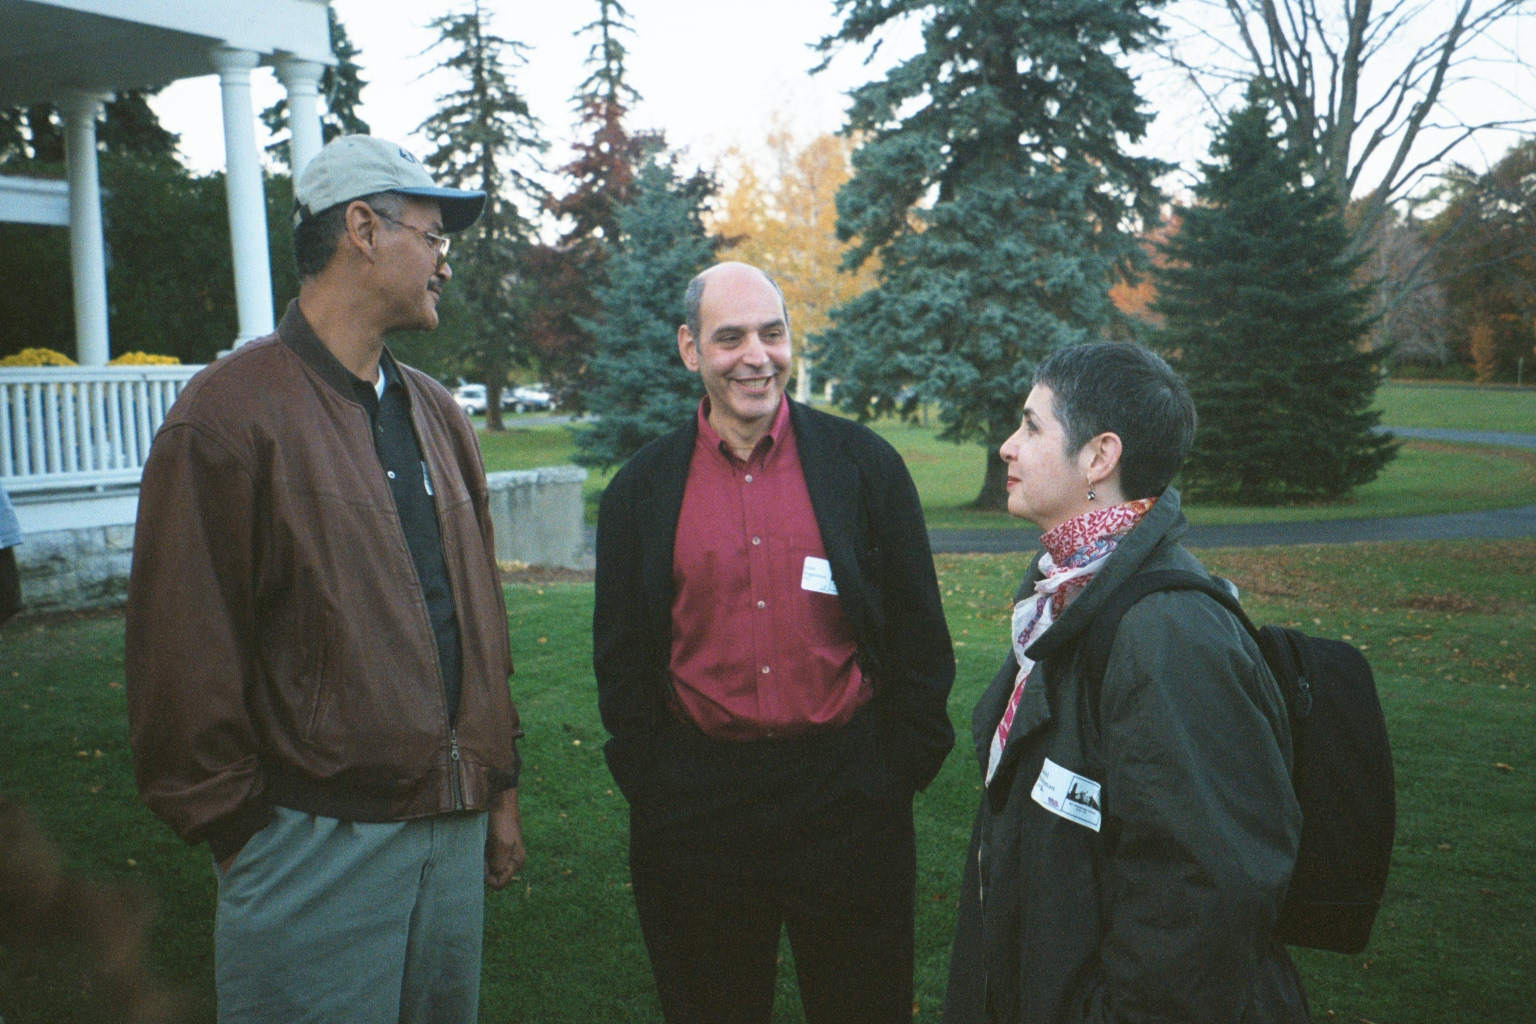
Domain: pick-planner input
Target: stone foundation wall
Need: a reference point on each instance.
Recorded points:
(537, 515)
(65, 570)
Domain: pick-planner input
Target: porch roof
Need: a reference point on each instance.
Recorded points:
(111, 45)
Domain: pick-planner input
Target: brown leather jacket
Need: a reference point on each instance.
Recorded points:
(279, 649)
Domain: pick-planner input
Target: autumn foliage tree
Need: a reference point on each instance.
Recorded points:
(1134, 295)
(601, 174)
(786, 223)
(1486, 249)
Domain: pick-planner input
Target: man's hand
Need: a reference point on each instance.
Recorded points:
(504, 853)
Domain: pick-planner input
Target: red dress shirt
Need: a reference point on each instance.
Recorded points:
(760, 645)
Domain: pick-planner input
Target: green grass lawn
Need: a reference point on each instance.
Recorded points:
(1458, 406)
(1449, 627)
(1426, 478)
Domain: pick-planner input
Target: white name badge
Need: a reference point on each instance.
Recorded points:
(817, 576)
(1068, 795)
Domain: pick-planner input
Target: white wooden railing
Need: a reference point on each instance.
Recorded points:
(66, 428)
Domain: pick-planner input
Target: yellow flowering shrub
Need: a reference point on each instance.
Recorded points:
(37, 357)
(144, 359)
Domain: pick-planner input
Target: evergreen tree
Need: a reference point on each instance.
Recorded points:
(1266, 322)
(992, 185)
(37, 135)
(602, 176)
(170, 275)
(485, 137)
(606, 162)
(640, 389)
(34, 135)
(13, 135)
(130, 127)
(341, 85)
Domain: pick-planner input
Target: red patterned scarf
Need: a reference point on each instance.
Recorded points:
(1074, 550)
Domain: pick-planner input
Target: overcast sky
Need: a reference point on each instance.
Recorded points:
(713, 75)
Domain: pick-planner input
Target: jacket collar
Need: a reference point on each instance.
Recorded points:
(296, 332)
(1163, 524)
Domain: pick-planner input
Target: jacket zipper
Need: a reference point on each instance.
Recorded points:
(453, 769)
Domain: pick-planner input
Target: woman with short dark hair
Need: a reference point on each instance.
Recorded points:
(1133, 843)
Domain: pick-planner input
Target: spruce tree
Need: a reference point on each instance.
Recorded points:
(485, 137)
(1267, 323)
(640, 388)
(607, 156)
(992, 186)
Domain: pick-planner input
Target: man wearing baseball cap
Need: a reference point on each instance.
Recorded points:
(317, 652)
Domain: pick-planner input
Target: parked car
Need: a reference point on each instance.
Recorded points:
(471, 398)
(527, 397)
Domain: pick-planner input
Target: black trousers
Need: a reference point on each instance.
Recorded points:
(795, 839)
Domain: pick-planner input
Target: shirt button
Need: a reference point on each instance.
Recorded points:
(756, 541)
(762, 604)
(766, 670)
(749, 478)
(390, 473)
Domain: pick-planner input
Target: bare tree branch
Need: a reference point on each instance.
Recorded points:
(1375, 85)
(1385, 92)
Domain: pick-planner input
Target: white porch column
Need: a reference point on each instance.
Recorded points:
(87, 251)
(247, 204)
(302, 80)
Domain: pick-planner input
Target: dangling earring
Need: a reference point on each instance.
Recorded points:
(1091, 495)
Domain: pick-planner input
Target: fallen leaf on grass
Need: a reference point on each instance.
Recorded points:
(1505, 768)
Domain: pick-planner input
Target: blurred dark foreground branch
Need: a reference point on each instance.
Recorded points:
(49, 912)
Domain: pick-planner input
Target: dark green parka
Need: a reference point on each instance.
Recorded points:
(1153, 896)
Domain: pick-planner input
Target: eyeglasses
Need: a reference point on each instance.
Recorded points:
(439, 243)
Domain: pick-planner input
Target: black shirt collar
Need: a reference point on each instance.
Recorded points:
(296, 332)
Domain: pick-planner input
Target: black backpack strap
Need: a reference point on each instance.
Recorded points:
(1095, 642)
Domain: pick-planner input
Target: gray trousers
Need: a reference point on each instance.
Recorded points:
(324, 920)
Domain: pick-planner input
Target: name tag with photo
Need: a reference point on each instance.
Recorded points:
(817, 576)
(1068, 795)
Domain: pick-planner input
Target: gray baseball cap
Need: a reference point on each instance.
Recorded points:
(354, 166)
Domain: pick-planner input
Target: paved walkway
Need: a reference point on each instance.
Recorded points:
(1494, 437)
(1495, 524)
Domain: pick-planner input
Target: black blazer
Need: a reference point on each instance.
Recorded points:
(872, 527)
